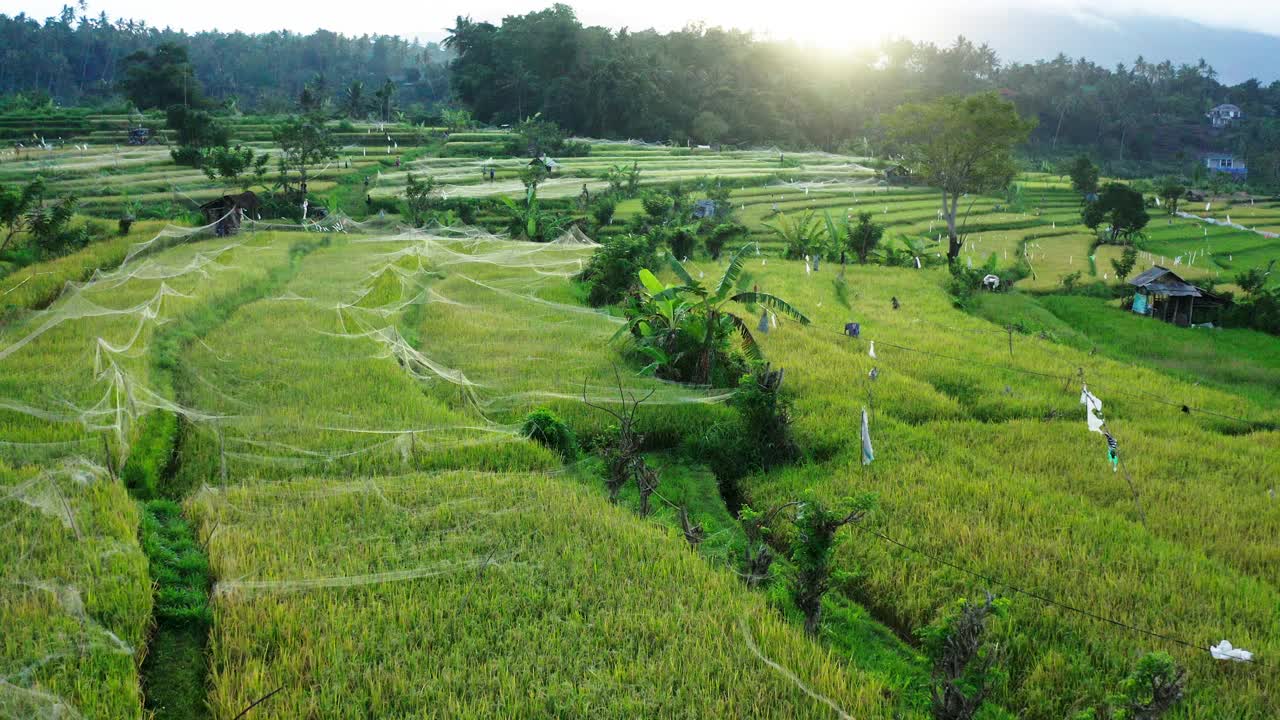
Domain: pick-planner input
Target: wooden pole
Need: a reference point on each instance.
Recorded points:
(222, 456)
(106, 455)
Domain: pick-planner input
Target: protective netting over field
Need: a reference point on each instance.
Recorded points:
(282, 350)
(75, 598)
(449, 335)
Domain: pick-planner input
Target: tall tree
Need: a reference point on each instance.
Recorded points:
(304, 141)
(961, 146)
(1171, 191)
(1084, 175)
(1121, 208)
(161, 78)
(385, 96)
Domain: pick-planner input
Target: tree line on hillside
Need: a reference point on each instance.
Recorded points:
(709, 86)
(77, 58)
(698, 84)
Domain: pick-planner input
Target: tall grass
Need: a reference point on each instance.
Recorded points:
(471, 595)
(75, 600)
(967, 467)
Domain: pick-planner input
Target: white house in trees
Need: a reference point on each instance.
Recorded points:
(1224, 115)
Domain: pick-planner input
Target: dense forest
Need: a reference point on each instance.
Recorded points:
(698, 84)
(78, 59)
(710, 85)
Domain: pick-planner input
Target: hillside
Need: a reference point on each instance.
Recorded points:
(290, 466)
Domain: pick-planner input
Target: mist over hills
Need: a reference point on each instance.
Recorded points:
(1033, 34)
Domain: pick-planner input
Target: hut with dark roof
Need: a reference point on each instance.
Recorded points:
(226, 212)
(1160, 293)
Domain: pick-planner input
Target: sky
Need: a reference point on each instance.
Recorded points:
(819, 22)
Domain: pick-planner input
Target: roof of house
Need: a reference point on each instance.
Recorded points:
(1227, 106)
(704, 208)
(1163, 281)
(247, 200)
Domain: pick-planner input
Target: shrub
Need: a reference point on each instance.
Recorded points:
(864, 237)
(964, 664)
(1151, 690)
(419, 198)
(1070, 280)
(682, 240)
(614, 268)
(576, 148)
(187, 155)
(811, 551)
(548, 429)
(766, 419)
(722, 234)
(657, 204)
(603, 208)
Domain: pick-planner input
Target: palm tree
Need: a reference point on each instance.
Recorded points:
(353, 101)
(684, 311)
(384, 95)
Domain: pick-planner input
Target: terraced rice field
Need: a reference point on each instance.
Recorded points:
(94, 161)
(339, 414)
(281, 357)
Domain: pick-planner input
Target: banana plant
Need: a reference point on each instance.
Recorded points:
(801, 234)
(529, 220)
(693, 320)
(837, 231)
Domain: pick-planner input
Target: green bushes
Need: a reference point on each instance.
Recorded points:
(721, 235)
(602, 210)
(687, 331)
(614, 269)
(547, 428)
(766, 420)
(965, 663)
(1151, 690)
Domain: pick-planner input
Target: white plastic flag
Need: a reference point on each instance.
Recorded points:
(1093, 409)
(867, 453)
(1221, 651)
